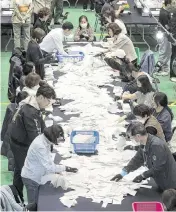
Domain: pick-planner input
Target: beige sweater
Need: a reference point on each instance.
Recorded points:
(123, 42)
(39, 4)
(20, 16)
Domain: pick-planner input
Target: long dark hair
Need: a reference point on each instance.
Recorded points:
(85, 17)
(53, 132)
(161, 99)
(146, 86)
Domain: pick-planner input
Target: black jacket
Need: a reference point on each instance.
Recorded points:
(41, 24)
(34, 54)
(158, 159)
(27, 124)
(5, 136)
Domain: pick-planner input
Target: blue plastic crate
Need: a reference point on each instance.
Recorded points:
(74, 56)
(85, 147)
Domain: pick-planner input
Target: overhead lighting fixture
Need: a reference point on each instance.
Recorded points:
(159, 35)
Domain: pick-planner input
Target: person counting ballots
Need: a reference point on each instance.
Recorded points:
(53, 41)
(155, 155)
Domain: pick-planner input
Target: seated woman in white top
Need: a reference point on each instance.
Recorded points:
(39, 161)
(145, 92)
(121, 41)
(110, 17)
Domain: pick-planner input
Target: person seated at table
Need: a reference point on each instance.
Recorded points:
(135, 73)
(169, 200)
(121, 41)
(144, 93)
(53, 41)
(154, 154)
(111, 18)
(34, 53)
(39, 161)
(143, 114)
(41, 22)
(84, 32)
(21, 21)
(32, 84)
(163, 113)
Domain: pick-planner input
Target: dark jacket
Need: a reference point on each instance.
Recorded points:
(27, 123)
(34, 54)
(158, 159)
(41, 24)
(5, 136)
(164, 118)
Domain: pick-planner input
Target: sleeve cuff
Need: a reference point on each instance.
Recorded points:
(60, 168)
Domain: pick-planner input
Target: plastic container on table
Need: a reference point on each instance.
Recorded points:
(147, 206)
(73, 56)
(85, 147)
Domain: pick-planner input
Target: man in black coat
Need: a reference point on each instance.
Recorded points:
(155, 155)
(26, 125)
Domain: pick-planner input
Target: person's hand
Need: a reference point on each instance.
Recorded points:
(85, 35)
(138, 179)
(121, 8)
(129, 147)
(69, 169)
(49, 57)
(117, 178)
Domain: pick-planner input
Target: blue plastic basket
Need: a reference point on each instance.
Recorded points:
(85, 147)
(74, 56)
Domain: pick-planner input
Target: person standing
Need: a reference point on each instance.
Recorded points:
(155, 155)
(21, 21)
(56, 11)
(85, 5)
(27, 124)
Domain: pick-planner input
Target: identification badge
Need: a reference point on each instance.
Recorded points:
(154, 157)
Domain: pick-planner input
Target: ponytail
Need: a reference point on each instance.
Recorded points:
(170, 111)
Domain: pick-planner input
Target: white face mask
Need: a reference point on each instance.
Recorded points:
(83, 25)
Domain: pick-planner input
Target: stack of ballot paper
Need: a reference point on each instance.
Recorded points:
(80, 84)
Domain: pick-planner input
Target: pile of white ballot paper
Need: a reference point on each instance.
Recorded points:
(80, 83)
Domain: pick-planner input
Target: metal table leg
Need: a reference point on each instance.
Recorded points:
(10, 39)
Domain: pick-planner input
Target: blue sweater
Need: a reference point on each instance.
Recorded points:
(164, 118)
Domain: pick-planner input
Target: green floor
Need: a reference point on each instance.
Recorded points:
(165, 85)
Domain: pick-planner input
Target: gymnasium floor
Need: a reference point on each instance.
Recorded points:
(165, 85)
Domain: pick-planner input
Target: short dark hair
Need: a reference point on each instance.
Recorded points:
(32, 80)
(53, 132)
(85, 17)
(169, 199)
(146, 86)
(38, 33)
(46, 91)
(136, 128)
(115, 28)
(142, 110)
(67, 25)
(20, 96)
(43, 12)
(160, 98)
(28, 68)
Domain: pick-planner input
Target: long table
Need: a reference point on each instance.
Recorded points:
(49, 196)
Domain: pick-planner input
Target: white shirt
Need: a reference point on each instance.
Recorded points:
(39, 161)
(121, 25)
(53, 41)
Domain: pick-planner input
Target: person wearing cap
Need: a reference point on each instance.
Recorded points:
(152, 153)
(121, 41)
